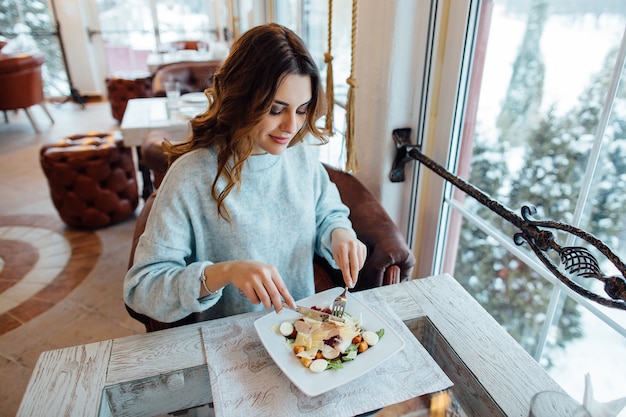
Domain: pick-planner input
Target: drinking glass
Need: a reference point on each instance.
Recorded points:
(172, 91)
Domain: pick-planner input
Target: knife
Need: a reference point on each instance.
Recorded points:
(315, 314)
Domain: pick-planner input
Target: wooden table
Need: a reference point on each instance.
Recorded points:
(164, 371)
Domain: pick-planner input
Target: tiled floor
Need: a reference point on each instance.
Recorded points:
(58, 287)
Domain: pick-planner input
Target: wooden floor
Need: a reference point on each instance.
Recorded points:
(42, 306)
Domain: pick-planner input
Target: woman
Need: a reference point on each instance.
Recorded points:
(245, 202)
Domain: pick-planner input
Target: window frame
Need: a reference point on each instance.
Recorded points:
(442, 143)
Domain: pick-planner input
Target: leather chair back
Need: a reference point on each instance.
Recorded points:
(20, 81)
(120, 90)
(192, 76)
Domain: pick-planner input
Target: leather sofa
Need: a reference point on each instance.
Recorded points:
(22, 85)
(389, 259)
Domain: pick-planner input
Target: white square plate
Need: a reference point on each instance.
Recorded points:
(313, 384)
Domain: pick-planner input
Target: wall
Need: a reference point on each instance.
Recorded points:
(391, 43)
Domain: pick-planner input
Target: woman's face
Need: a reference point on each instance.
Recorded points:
(286, 116)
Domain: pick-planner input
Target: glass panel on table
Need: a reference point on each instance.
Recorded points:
(545, 79)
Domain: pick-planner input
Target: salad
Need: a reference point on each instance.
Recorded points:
(324, 345)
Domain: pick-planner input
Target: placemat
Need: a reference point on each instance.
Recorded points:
(245, 381)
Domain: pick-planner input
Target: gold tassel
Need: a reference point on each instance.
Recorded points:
(328, 59)
(352, 164)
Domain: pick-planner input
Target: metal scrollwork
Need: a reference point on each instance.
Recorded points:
(576, 261)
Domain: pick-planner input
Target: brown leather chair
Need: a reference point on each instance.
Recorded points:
(120, 90)
(92, 179)
(21, 84)
(389, 259)
(192, 76)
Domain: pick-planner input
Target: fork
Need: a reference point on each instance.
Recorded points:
(339, 305)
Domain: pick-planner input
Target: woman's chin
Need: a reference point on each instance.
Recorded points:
(276, 149)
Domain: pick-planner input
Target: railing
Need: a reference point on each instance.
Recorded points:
(576, 261)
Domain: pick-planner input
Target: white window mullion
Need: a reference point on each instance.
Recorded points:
(592, 164)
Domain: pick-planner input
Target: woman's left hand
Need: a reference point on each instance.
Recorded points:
(349, 254)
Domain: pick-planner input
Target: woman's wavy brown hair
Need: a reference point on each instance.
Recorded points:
(241, 96)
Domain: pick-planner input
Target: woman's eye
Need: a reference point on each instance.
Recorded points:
(278, 110)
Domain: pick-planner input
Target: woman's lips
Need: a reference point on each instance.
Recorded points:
(280, 140)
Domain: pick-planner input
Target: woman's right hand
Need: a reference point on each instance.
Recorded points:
(258, 281)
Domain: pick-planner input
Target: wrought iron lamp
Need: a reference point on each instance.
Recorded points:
(576, 261)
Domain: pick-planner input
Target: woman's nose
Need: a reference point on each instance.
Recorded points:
(289, 122)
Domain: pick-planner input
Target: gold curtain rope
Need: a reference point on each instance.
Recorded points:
(352, 164)
(328, 59)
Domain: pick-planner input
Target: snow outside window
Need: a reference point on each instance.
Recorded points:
(546, 68)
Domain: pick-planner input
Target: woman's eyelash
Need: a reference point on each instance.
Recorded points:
(276, 110)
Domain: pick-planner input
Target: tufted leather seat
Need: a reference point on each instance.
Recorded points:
(120, 90)
(92, 179)
(389, 258)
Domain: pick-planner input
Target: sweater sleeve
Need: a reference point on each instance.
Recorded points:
(164, 281)
(330, 214)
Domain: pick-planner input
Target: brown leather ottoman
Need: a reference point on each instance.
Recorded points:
(92, 179)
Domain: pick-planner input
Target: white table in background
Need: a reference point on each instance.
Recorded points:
(144, 115)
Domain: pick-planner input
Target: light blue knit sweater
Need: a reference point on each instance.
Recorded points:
(285, 209)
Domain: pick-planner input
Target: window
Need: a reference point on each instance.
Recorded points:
(131, 30)
(34, 20)
(309, 18)
(542, 116)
